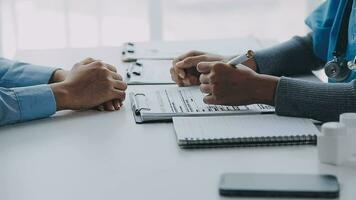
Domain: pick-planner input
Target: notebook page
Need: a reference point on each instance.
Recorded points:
(239, 126)
(189, 100)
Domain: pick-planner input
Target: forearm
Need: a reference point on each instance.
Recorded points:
(18, 74)
(320, 101)
(292, 57)
(26, 103)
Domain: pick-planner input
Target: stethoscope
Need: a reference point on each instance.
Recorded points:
(339, 69)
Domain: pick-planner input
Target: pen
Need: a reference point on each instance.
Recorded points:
(241, 58)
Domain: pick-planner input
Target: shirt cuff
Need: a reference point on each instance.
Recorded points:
(35, 102)
(36, 74)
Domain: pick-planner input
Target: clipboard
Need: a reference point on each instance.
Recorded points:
(149, 72)
(133, 51)
(154, 107)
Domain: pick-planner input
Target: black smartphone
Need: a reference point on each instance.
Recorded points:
(279, 185)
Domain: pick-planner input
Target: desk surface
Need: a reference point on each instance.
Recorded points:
(105, 155)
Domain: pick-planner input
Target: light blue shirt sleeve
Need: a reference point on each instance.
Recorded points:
(19, 74)
(24, 93)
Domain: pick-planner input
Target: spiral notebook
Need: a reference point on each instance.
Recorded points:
(243, 131)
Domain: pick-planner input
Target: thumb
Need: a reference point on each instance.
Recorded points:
(204, 67)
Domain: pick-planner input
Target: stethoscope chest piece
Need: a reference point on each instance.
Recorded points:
(337, 70)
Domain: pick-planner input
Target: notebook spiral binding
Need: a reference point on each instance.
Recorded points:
(249, 141)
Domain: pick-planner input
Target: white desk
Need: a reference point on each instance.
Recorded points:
(105, 155)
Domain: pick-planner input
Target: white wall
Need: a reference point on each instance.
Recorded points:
(44, 24)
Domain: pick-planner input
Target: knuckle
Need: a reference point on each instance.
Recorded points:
(114, 68)
(123, 85)
(188, 60)
(119, 94)
(99, 64)
(104, 71)
(212, 77)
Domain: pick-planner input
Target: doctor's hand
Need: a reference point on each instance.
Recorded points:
(225, 85)
(184, 71)
(89, 84)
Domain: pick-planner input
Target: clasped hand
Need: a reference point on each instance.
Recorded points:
(222, 83)
(89, 84)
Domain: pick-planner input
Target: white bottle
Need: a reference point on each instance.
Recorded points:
(331, 143)
(349, 119)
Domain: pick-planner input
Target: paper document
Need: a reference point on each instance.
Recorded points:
(163, 104)
(149, 72)
(170, 50)
(257, 128)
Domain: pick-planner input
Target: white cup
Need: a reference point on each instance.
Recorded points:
(332, 144)
(349, 119)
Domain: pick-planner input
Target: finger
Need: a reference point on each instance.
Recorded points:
(109, 106)
(118, 94)
(180, 72)
(204, 79)
(191, 61)
(97, 64)
(87, 61)
(116, 76)
(100, 108)
(190, 80)
(187, 63)
(175, 77)
(111, 67)
(193, 80)
(117, 104)
(188, 54)
(206, 88)
(205, 67)
(210, 99)
(120, 85)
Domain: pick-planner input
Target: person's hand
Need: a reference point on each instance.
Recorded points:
(61, 74)
(184, 71)
(225, 85)
(58, 76)
(87, 85)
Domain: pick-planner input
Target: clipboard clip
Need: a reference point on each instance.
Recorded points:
(134, 68)
(139, 103)
(128, 47)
